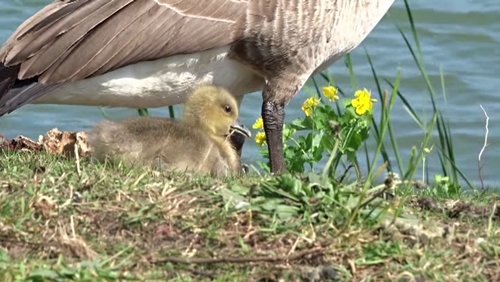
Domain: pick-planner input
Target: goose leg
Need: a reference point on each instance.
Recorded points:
(277, 93)
(273, 114)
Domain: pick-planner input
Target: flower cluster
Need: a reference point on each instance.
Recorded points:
(260, 137)
(331, 93)
(309, 105)
(325, 129)
(363, 103)
(259, 124)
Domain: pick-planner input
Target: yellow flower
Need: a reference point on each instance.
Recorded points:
(309, 105)
(332, 93)
(260, 138)
(363, 103)
(259, 124)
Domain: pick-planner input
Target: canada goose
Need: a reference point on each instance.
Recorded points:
(149, 53)
(200, 142)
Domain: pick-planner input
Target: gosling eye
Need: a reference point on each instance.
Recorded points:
(228, 109)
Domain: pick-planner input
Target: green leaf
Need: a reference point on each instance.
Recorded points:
(43, 275)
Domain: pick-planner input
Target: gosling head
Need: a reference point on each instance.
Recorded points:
(215, 111)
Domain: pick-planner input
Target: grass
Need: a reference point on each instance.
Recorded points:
(112, 223)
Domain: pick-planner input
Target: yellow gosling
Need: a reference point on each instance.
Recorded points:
(199, 143)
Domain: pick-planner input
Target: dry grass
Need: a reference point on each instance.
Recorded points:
(117, 223)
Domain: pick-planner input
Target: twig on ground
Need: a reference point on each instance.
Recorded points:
(77, 159)
(73, 232)
(490, 219)
(296, 256)
(69, 200)
(294, 246)
(479, 158)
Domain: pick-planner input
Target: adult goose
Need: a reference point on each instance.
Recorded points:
(149, 53)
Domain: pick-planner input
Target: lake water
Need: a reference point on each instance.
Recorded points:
(459, 37)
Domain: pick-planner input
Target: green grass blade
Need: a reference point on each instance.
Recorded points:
(413, 114)
(171, 112)
(384, 153)
(143, 112)
(352, 75)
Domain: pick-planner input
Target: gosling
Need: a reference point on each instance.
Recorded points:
(208, 140)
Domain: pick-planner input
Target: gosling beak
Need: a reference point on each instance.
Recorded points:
(237, 135)
(238, 128)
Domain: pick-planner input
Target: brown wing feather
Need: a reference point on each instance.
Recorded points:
(49, 15)
(32, 36)
(82, 38)
(133, 47)
(48, 59)
(83, 60)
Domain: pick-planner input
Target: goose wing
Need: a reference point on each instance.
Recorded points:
(75, 39)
